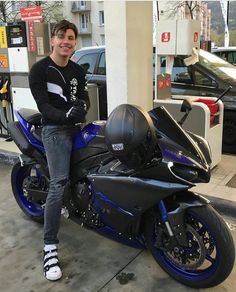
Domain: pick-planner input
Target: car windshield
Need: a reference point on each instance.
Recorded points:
(221, 68)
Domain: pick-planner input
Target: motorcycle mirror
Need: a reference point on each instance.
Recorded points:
(186, 105)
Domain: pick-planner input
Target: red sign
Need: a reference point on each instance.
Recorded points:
(32, 46)
(195, 37)
(168, 82)
(31, 13)
(160, 84)
(165, 37)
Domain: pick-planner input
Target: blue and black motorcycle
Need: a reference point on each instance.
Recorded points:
(130, 181)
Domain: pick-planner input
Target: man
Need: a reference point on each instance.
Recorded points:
(58, 87)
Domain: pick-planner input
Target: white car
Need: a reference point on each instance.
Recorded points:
(226, 53)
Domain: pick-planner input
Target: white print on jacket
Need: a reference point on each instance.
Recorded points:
(54, 88)
(73, 88)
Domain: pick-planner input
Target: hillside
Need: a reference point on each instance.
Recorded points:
(217, 22)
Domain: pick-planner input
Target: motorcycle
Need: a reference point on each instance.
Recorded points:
(148, 205)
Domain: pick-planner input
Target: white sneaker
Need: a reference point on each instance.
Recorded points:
(51, 267)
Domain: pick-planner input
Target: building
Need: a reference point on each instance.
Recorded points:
(89, 18)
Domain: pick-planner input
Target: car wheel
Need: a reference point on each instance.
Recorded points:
(229, 132)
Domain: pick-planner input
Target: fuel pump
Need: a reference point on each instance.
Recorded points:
(28, 42)
(5, 112)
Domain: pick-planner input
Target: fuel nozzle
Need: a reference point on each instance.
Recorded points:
(3, 97)
(3, 92)
(4, 89)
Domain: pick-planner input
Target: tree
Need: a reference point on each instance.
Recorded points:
(190, 6)
(10, 10)
(6, 14)
(217, 38)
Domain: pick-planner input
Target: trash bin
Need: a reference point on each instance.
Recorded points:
(93, 113)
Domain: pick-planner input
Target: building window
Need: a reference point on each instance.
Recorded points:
(101, 17)
(102, 39)
(82, 3)
(84, 19)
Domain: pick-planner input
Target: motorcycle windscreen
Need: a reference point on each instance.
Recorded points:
(167, 126)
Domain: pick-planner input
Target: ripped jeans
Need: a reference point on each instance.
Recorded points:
(57, 141)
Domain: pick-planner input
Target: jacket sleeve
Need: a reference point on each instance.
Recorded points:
(83, 92)
(38, 87)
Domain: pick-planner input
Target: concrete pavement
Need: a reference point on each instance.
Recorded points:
(90, 262)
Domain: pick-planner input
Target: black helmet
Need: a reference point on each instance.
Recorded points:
(130, 135)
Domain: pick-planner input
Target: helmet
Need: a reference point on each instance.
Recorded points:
(130, 135)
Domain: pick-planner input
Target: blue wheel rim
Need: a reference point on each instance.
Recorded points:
(190, 275)
(29, 207)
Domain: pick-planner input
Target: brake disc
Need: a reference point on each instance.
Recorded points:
(190, 257)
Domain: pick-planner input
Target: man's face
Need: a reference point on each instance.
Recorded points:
(63, 43)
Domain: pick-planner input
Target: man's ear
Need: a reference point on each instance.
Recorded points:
(52, 41)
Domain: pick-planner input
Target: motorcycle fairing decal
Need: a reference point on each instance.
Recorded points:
(100, 196)
(177, 157)
(83, 137)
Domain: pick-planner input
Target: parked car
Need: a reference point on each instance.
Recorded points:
(208, 77)
(93, 60)
(226, 53)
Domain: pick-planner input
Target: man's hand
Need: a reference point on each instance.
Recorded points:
(76, 114)
(81, 103)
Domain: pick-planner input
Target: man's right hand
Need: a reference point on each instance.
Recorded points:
(76, 114)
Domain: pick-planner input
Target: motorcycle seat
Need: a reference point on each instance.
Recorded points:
(33, 117)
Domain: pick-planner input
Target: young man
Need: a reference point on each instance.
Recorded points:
(58, 87)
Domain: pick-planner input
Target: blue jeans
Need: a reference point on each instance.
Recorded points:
(57, 141)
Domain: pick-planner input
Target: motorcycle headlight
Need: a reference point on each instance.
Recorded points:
(186, 173)
(190, 174)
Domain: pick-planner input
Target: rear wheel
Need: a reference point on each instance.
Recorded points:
(229, 132)
(24, 178)
(209, 257)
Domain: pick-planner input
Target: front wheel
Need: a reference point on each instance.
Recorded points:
(209, 257)
(25, 179)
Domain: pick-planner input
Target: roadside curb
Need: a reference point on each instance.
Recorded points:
(8, 157)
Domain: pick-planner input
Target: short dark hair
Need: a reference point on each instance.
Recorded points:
(63, 25)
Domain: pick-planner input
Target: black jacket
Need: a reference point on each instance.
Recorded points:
(56, 88)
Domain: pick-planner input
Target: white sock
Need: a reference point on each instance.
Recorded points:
(48, 247)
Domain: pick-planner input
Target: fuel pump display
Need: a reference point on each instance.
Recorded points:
(21, 45)
(28, 42)
(16, 34)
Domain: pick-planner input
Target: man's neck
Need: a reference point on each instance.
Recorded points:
(60, 60)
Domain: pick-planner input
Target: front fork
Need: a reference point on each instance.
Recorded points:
(174, 220)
